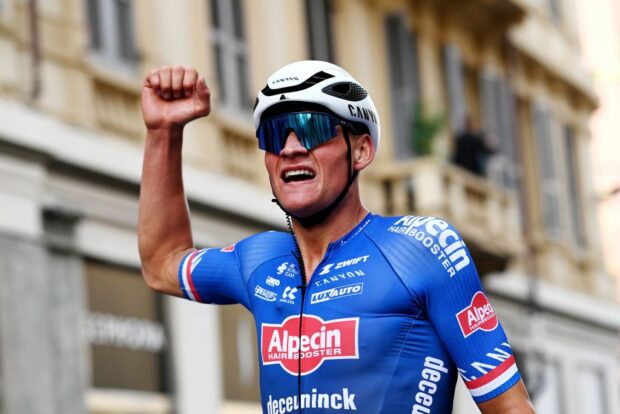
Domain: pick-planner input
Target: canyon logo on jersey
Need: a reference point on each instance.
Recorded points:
(335, 339)
(478, 315)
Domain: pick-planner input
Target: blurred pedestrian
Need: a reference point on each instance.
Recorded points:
(471, 149)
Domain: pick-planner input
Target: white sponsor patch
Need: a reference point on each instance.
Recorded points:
(272, 281)
(264, 294)
(337, 293)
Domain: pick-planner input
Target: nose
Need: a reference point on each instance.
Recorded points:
(292, 146)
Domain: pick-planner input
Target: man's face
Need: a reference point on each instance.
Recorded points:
(307, 181)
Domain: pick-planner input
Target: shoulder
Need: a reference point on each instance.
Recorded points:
(268, 241)
(420, 239)
(261, 247)
(412, 227)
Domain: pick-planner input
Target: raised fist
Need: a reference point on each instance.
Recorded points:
(174, 96)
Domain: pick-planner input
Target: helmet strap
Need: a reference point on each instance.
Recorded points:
(320, 216)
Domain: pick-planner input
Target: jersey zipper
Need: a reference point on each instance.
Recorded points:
(303, 286)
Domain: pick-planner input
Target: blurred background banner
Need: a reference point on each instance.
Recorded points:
(500, 116)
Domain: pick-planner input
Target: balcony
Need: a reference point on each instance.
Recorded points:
(484, 16)
(485, 214)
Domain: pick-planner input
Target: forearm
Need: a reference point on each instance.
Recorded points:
(164, 231)
(513, 401)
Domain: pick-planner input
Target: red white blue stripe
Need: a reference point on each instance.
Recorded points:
(493, 380)
(187, 266)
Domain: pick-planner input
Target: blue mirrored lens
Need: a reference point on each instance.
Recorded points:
(311, 128)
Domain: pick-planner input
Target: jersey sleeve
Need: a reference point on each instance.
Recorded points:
(437, 268)
(462, 315)
(213, 276)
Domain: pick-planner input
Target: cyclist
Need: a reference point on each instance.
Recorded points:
(353, 311)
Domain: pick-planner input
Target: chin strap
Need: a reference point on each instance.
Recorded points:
(321, 215)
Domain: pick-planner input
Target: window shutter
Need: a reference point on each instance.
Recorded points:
(456, 87)
(404, 81)
(230, 52)
(572, 184)
(319, 26)
(507, 134)
(548, 177)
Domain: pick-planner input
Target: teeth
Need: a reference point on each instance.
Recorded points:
(296, 173)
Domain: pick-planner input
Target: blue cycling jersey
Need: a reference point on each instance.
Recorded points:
(390, 316)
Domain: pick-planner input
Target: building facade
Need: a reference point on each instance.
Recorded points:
(81, 333)
(599, 26)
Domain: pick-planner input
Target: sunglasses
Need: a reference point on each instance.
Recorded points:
(312, 129)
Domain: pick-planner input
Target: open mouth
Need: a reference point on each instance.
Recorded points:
(298, 175)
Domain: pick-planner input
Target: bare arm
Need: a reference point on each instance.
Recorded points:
(513, 401)
(171, 97)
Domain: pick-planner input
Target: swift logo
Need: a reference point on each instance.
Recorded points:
(337, 293)
(345, 263)
(321, 340)
(478, 315)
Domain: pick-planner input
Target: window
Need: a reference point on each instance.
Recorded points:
(500, 124)
(112, 31)
(455, 86)
(238, 344)
(319, 25)
(547, 171)
(573, 188)
(230, 52)
(404, 82)
(550, 400)
(124, 326)
(555, 10)
(592, 396)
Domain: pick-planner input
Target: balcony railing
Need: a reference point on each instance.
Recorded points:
(242, 159)
(486, 215)
(118, 110)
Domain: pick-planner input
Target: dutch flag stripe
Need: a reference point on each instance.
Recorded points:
(186, 277)
(493, 379)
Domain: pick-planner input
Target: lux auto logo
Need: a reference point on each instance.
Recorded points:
(321, 340)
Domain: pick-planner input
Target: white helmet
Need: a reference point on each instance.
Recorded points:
(321, 84)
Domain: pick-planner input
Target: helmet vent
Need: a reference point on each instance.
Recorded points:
(348, 91)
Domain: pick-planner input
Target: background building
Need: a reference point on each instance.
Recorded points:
(80, 332)
(599, 29)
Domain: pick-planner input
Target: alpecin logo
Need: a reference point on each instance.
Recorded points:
(321, 340)
(478, 315)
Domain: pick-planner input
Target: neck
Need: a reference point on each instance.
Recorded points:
(313, 241)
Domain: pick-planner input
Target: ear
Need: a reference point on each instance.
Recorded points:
(363, 152)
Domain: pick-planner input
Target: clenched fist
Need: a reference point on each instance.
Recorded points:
(174, 96)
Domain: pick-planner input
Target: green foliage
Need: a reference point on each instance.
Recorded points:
(424, 129)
